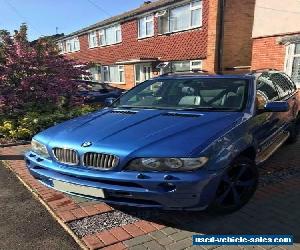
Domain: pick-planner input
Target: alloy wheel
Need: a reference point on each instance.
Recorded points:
(237, 186)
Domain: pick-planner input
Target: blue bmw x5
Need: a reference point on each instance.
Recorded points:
(185, 142)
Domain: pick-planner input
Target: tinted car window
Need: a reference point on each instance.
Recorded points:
(188, 94)
(267, 87)
(290, 81)
(282, 84)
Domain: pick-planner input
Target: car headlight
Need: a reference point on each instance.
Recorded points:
(39, 148)
(166, 164)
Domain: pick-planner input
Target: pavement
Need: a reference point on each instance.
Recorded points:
(24, 221)
(275, 209)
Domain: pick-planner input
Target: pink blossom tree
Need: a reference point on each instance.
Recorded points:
(34, 75)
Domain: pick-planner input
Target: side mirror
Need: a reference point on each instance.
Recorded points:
(277, 107)
(109, 101)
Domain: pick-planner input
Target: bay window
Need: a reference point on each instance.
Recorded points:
(95, 73)
(146, 26)
(110, 35)
(105, 70)
(113, 74)
(181, 18)
(292, 62)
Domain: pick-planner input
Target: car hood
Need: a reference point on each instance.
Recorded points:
(142, 132)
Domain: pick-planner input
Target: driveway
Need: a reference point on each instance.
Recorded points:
(24, 222)
(275, 209)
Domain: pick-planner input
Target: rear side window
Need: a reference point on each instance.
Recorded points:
(282, 84)
(291, 83)
(267, 87)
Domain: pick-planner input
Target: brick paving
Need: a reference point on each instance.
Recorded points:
(275, 209)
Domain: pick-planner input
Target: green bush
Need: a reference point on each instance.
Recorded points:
(32, 122)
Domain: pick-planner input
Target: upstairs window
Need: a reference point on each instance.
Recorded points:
(72, 44)
(93, 39)
(181, 18)
(62, 47)
(146, 26)
(76, 44)
(292, 63)
(110, 35)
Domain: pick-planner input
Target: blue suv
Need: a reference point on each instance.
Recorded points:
(178, 141)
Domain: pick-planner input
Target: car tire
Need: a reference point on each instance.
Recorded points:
(236, 187)
(294, 131)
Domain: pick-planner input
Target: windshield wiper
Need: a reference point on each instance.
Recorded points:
(135, 107)
(124, 107)
(208, 108)
(174, 108)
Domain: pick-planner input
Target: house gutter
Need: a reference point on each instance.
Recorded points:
(220, 37)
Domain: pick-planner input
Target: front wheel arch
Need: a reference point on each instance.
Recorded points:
(246, 185)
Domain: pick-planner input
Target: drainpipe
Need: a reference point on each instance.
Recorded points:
(220, 37)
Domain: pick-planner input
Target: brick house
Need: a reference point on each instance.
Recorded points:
(180, 34)
(276, 36)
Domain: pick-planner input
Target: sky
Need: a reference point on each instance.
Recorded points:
(45, 17)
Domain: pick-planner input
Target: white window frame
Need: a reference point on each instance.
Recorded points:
(121, 70)
(146, 19)
(289, 60)
(69, 45)
(74, 44)
(98, 68)
(105, 69)
(200, 6)
(192, 67)
(91, 35)
(138, 68)
(102, 35)
(190, 16)
(62, 47)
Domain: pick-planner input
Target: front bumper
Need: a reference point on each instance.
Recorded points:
(180, 191)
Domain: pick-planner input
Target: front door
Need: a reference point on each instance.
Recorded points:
(143, 72)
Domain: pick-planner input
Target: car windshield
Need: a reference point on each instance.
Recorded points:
(187, 94)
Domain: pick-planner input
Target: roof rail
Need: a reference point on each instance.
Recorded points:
(193, 71)
(262, 70)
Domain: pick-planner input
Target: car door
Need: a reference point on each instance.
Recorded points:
(267, 123)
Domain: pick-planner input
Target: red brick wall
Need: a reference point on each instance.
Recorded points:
(177, 46)
(238, 23)
(267, 53)
(191, 44)
(210, 63)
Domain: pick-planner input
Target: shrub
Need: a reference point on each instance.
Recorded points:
(32, 122)
(35, 74)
